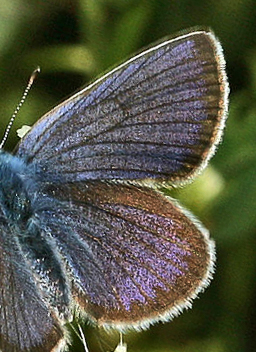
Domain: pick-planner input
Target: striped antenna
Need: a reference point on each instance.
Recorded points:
(29, 85)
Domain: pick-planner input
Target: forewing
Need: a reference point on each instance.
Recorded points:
(159, 115)
(136, 257)
(25, 321)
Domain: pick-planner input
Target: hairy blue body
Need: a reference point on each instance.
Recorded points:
(22, 203)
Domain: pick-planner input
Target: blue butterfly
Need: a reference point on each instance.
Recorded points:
(83, 221)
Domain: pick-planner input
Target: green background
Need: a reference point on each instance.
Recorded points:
(73, 42)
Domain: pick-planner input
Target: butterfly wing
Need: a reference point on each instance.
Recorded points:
(159, 115)
(136, 256)
(25, 321)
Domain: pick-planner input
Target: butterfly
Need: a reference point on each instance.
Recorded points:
(83, 221)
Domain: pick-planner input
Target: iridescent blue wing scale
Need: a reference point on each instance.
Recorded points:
(158, 116)
(134, 255)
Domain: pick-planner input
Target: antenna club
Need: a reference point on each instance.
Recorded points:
(33, 77)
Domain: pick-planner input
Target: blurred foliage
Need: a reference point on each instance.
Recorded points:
(74, 41)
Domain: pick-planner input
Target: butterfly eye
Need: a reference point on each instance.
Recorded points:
(15, 202)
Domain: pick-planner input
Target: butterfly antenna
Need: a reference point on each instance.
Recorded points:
(29, 85)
